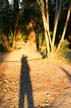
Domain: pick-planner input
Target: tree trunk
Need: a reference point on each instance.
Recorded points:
(16, 26)
(55, 25)
(55, 30)
(45, 18)
(65, 27)
(32, 36)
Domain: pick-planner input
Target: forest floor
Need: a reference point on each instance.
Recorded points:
(28, 81)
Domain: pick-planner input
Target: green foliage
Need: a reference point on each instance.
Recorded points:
(1, 47)
(29, 10)
(64, 47)
(66, 52)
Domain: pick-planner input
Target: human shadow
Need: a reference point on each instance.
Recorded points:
(67, 73)
(25, 85)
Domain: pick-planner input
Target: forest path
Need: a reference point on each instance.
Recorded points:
(17, 55)
(32, 82)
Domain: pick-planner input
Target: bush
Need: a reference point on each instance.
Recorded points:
(64, 47)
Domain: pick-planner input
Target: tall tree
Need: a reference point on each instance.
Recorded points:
(30, 14)
(17, 17)
(50, 40)
(4, 23)
(16, 6)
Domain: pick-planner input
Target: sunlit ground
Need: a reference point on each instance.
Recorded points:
(27, 82)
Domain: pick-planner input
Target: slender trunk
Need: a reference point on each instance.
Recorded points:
(31, 36)
(15, 30)
(55, 29)
(16, 11)
(45, 24)
(56, 8)
(46, 33)
(55, 26)
(65, 27)
(47, 14)
(47, 42)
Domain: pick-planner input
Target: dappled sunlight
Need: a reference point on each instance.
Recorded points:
(2, 86)
(2, 75)
(35, 54)
(2, 82)
(29, 83)
(17, 55)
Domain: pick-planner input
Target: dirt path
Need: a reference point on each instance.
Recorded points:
(33, 82)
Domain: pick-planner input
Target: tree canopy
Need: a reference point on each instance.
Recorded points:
(50, 17)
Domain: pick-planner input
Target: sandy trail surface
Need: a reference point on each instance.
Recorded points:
(27, 81)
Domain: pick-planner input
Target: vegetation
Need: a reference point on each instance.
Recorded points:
(50, 40)
(50, 20)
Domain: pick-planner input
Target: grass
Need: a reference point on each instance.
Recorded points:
(66, 52)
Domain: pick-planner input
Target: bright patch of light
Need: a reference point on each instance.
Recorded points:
(10, 1)
(20, 0)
